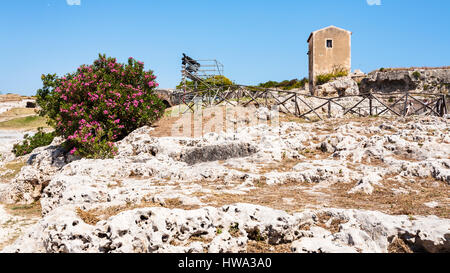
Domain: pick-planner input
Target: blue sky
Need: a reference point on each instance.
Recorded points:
(256, 40)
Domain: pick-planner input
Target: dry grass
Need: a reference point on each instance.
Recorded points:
(285, 165)
(93, 216)
(32, 210)
(292, 118)
(88, 217)
(295, 196)
(234, 230)
(385, 200)
(163, 127)
(399, 246)
(24, 123)
(214, 119)
(271, 196)
(360, 121)
(172, 203)
(333, 227)
(264, 247)
(314, 154)
(9, 241)
(166, 126)
(405, 157)
(200, 239)
(372, 161)
(17, 113)
(13, 97)
(14, 166)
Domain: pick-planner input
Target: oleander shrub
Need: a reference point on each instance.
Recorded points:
(100, 104)
(30, 143)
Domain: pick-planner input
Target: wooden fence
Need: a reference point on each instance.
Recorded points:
(301, 105)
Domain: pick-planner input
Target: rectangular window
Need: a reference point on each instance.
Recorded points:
(329, 43)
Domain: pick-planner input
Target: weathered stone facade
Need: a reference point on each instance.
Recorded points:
(329, 49)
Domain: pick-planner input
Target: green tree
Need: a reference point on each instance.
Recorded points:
(206, 84)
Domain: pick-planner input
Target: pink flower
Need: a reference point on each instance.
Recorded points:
(73, 151)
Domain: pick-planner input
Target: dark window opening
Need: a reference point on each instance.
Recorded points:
(330, 43)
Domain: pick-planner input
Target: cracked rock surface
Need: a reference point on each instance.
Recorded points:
(229, 228)
(340, 185)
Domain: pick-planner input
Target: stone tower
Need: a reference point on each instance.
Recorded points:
(329, 49)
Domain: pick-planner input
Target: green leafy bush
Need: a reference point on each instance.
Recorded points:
(32, 142)
(207, 84)
(337, 72)
(100, 104)
(285, 85)
(416, 74)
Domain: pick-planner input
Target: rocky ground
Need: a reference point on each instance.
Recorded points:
(12, 101)
(427, 80)
(339, 185)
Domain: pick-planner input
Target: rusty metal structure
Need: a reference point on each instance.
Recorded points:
(203, 74)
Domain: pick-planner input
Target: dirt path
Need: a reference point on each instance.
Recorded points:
(180, 123)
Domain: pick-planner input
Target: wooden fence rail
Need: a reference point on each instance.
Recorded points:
(290, 102)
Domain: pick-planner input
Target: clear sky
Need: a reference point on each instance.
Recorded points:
(256, 40)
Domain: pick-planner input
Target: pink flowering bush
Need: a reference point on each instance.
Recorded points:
(100, 104)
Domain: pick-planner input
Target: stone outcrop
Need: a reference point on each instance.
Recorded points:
(418, 80)
(356, 158)
(230, 228)
(412, 152)
(217, 152)
(339, 87)
(166, 96)
(42, 164)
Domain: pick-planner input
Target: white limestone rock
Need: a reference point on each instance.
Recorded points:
(156, 230)
(341, 86)
(366, 183)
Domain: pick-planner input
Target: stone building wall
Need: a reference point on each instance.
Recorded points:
(323, 58)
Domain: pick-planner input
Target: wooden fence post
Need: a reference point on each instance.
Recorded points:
(329, 108)
(444, 98)
(406, 105)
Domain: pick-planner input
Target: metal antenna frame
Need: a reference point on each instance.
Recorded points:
(206, 70)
